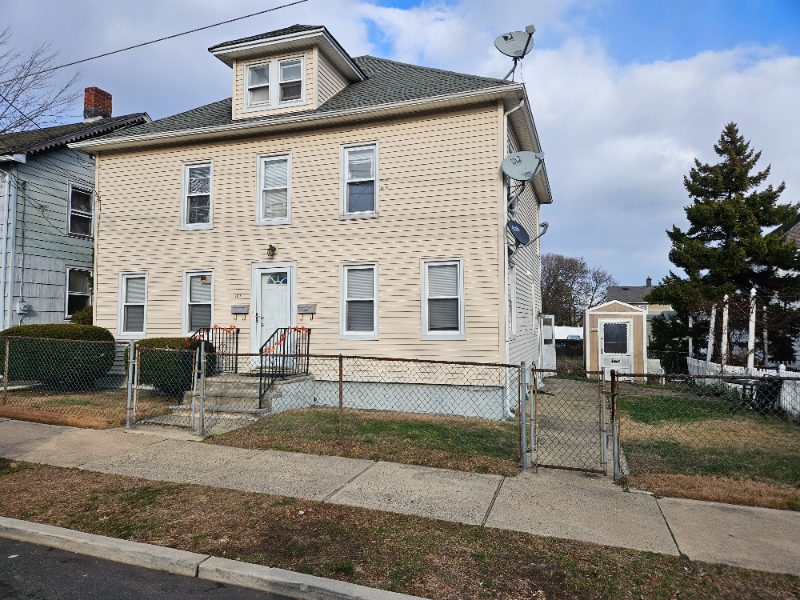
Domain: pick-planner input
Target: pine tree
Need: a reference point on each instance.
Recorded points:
(727, 247)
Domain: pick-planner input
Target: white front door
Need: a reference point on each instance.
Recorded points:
(273, 295)
(616, 345)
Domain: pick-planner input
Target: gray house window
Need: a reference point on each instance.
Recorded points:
(80, 211)
(78, 294)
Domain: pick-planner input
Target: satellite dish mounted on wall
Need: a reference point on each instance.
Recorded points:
(515, 44)
(523, 166)
(522, 237)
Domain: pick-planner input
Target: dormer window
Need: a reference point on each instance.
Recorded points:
(288, 72)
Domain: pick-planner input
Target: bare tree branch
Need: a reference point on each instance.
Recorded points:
(569, 287)
(30, 100)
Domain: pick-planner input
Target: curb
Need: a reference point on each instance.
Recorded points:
(191, 564)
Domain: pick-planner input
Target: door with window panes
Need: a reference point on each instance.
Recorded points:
(615, 345)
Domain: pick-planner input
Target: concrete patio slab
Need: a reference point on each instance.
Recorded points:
(287, 474)
(13, 433)
(171, 460)
(745, 536)
(434, 493)
(598, 514)
(75, 447)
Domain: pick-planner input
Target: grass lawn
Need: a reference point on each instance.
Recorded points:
(722, 447)
(474, 445)
(424, 557)
(95, 409)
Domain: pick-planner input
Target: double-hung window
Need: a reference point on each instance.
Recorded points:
(78, 290)
(359, 311)
(199, 300)
(359, 181)
(443, 299)
(133, 304)
(196, 207)
(274, 194)
(80, 211)
(274, 83)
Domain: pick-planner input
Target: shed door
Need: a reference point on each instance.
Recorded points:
(616, 345)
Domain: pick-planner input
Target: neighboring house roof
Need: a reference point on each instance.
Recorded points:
(46, 138)
(791, 231)
(628, 293)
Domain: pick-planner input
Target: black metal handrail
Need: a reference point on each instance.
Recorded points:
(226, 346)
(284, 354)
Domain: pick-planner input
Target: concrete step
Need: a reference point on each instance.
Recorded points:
(241, 387)
(222, 412)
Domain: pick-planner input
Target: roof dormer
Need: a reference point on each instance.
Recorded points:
(293, 69)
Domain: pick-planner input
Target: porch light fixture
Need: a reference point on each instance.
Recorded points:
(271, 251)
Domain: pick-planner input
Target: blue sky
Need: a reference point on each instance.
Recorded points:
(625, 93)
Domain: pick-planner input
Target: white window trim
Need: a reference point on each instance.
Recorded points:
(343, 214)
(88, 190)
(442, 335)
(343, 333)
(184, 198)
(185, 311)
(67, 315)
(274, 83)
(259, 182)
(132, 335)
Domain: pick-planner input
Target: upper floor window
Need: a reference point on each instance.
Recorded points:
(80, 211)
(359, 180)
(196, 206)
(274, 200)
(274, 83)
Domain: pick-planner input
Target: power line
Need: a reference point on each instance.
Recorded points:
(169, 37)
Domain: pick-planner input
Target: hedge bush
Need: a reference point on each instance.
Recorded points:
(171, 372)
(84, 316)
(54, 354)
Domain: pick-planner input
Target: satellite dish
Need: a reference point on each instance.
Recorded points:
(519, 232)
(515, 44)
(522, 166)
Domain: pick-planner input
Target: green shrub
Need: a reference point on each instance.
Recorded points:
(58, 354)
(170, 372)
(84, 316)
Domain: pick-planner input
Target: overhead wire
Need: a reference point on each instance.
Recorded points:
(169, 37)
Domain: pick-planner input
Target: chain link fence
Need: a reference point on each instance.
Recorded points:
(80, 383)
(731, 426)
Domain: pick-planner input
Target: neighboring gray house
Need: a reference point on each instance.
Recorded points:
(634, 294)
(47, 198)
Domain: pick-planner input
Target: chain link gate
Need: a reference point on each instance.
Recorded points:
(567, 421)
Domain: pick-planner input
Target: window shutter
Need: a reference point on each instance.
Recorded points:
(134, 292)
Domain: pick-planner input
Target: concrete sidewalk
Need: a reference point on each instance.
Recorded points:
(551, 503)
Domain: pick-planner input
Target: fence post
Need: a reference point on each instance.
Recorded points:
(751, 332)
(723, 346)
(137, 375)
(602, 418)
(130, 383)
(614, 440)
(5, 374)
(341, 399)
(195, 372)
(523, 397)
(535, 383)
(710, 350)
(201, 417)
(764, 325)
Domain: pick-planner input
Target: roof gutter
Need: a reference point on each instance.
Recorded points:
(20, 158)
(290, 120)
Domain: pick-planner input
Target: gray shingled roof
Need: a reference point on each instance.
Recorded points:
(268, 35)
(45, 138)
(628, 293)
(387, 82)
(791, 231)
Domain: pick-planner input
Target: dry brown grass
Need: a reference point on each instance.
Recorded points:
(720, 489)
(424, 557)
(95, 409)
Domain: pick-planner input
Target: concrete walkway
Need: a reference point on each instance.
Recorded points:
(551, 503)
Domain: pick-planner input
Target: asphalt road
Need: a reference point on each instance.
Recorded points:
(41, 573)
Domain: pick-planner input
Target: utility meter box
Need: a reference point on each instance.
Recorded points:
(23, 308)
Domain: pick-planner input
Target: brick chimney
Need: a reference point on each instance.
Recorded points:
(649, 282)
(96, 104)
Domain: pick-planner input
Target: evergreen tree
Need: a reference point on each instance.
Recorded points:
(726, 247)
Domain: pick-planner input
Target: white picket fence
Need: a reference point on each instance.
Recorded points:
(790, 390)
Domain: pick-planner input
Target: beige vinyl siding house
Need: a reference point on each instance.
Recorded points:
(439, 201)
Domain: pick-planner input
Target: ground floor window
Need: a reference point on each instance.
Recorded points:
(133, 304)
(78, 290)
(443, 299)
(359, 311)
(199, 300)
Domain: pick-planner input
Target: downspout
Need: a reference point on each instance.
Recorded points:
(12, 240)
(3, 260)
(506, 282)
